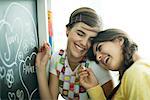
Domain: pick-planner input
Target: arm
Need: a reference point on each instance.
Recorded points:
(53, 86)
(41, 63)
(43, 86)
(103, 77)
(108, 87)
(89, 81)
(96, 93)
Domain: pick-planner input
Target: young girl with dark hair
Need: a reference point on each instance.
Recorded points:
(113, 50)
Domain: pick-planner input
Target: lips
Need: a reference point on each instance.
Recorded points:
(80, 48)
(104, 59)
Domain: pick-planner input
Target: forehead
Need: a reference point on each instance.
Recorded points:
(86, 27)
(95, 45)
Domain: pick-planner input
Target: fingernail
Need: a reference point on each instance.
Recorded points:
(84, 67)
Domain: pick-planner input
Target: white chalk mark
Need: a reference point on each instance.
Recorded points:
(10, 78)
(11, 96)
(27, 58)
(2, 72)
(20, 94)
(15, 36)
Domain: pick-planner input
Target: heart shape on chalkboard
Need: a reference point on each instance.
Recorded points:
(20, 94)
(18, 32)
(26, 72)
(11, 35)
(2, 72)
(11, 96)
(16, 27)
(11, 31)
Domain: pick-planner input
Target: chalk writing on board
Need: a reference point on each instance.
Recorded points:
(18, 38)
(26, 69)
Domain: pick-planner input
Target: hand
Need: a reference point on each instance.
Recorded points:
(87, 78)
(42, 56)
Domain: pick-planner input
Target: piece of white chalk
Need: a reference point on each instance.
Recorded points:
(84, 67)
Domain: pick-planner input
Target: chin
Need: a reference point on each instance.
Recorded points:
(113, 69)
(78, 55)
(107, 67)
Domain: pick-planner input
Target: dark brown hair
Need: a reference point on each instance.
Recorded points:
(85, 15)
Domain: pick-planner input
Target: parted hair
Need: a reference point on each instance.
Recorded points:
(86, 15)
(129, 47)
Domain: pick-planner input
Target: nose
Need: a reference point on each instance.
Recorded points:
(85, 42)
(99, 56)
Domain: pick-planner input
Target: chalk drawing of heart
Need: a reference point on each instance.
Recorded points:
(20, 94)
(11, 96)
(2, 72)
(14, 29)
(11, 35)
(27, 71)
(11, 31)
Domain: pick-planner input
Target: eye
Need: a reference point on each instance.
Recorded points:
(98, 47)
(91, 39)
(80, 34)
(107, 58)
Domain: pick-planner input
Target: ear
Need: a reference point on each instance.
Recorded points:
(119, 40)
(67, 31)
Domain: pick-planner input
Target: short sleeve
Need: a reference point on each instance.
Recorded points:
(102, 75)
(53, 63)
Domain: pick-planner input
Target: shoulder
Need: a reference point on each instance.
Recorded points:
(138, 72)
(136, 78)
(58, 54)
(139, 68)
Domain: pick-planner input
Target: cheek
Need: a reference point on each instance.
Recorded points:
(114, 66)
(117, 63)
(89, 45)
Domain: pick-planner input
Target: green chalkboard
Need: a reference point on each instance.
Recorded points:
(18, 43)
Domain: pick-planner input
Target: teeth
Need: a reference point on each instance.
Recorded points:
(106, 59)
(79, 47)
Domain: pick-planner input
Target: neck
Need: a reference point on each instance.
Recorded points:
(73, 61)
(136, 56)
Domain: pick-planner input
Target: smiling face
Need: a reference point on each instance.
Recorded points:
(109, 54)
(79, 40)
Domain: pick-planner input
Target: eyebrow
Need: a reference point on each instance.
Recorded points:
(98, 47)
(85, 33)
(90, 29)
(81, 31)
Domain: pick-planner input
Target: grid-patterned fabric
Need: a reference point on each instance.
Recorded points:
(69, 86)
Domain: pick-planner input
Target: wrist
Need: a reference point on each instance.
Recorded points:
(41, 69)
(93, 85)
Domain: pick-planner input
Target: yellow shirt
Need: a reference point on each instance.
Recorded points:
(135, 84)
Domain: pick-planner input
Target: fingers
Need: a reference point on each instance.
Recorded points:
(45, 48)
(90, 71)
(82, 68)
(86, 73)
(83, 73)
